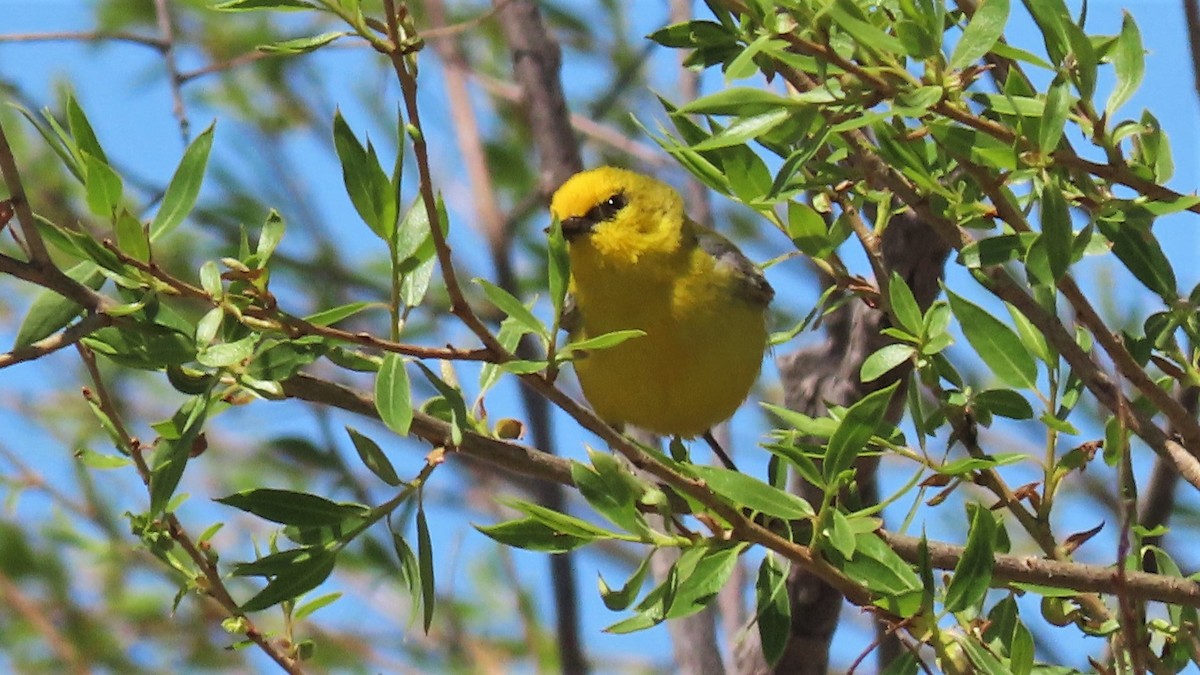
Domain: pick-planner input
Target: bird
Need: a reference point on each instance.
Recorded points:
(639, 262)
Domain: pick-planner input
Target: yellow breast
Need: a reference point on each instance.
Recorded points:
(702, 350)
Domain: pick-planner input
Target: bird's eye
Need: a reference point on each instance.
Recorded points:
(608, 210)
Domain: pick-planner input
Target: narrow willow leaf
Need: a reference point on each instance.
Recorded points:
(849, 17)
(751, 493)
(330, 316)
(558, 267)
(620, 599)
(369, 188)
(269, 238)
(301, 45)
(973, 572)
(302, 576)
(532, 535)
(1054, 117)
(904, 304)
(884, 360)
(1129, 60)
(737, 101)
(512, 307)
(855, 430)
(1057, 233)
(250, 5)
(1136, 247)
(773, 608)
(393, 395)
(425, 562)
(292, 508)
(986, 27)
(744, 129)
(996, 343)
(102, 186)
(373, 457)
(184, 188)
(605, 341)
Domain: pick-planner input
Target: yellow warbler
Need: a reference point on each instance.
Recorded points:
(638, 262)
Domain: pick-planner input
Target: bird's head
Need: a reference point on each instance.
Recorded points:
(618, 215)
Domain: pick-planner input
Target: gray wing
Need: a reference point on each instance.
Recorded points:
(752, 285)
(570, 321)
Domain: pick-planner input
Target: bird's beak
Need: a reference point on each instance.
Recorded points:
(576, 226)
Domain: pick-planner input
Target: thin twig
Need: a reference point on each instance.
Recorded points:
(1191, 12)
(528, 461)
(154, 43)
(166, 31)
(215, 584)
(572, 657)
(20, 202)
(76, 332)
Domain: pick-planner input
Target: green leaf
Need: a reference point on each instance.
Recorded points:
(744, 129)
(425, 563)
(174, 450)
(393, 395)
(981, 34)
(558, 265)
(1054, 117)
(610, 489)
(95, 460)
(561, 522)
(881, 570)
(884, 360)
(1005, 403)
(226, 354)
(81, 130)
(131, 236)
(849, 17)
(532, 535)
(697, 588)
(741, 101)
(50, 311)
(1128, 60)
(293, 508)
(1057, 233)
(749, 492)
(620, 599)
(250, 5)
(840, 533)
(995, 343)
(604, 341)
(368, 186)
(303, 575)
(184, 187)
(453, 408)
(1136, 247)
(973, 572)
(808, 230)
(904, 305)
(508, 304)
(102, 186)
(269, 238)
(373, 457)
(855, 430)
(301, 45)
(409, 569)
(313, 605)
(328, 317)
(773, 612)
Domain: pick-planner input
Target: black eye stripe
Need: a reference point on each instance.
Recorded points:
(607, 210)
